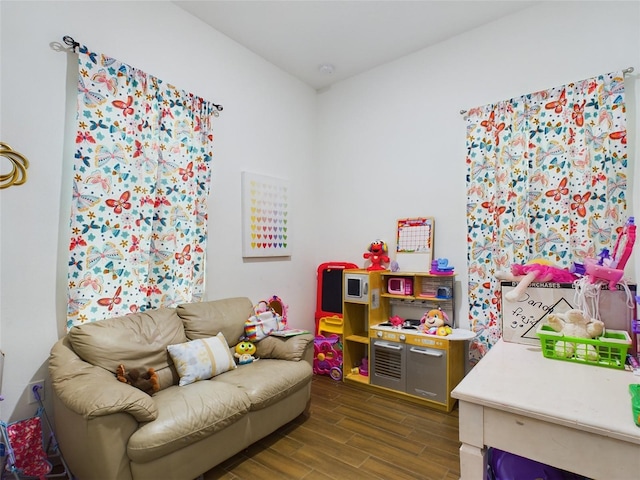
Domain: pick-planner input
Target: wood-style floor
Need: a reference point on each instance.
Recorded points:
(353, 433)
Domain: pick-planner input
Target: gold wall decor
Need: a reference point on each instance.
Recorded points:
(19, 165)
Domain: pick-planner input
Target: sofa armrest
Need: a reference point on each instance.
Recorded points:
(92, 391)
(296, 348)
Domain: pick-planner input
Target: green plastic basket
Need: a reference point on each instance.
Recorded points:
(611, 348)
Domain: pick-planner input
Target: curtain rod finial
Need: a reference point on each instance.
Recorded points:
(70, 41)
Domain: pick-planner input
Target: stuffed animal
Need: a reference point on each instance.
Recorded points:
(244, 352)
(377, 254)
(574, 323)
(534, 271)
(434, 322)
(145, 380)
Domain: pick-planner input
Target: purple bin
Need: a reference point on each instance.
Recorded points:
(507, 466)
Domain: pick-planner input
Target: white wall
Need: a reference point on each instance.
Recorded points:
(392, 140)
(267, 127)
(383, 145)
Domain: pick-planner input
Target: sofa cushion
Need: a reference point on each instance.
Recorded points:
(207, 319)
(267, 381)
(201, 359)
(136, 340)
(186, 415)
(288, 348)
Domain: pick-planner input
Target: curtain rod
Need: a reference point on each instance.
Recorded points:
(625, 71)
(73, 44)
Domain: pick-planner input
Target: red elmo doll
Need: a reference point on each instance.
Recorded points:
(378, 255)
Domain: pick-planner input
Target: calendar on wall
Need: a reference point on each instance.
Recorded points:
(265, 216)
(414, 244)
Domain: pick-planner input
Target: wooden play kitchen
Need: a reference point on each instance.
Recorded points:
(402, 360)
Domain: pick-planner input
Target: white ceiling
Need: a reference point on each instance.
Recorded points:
(299, 35)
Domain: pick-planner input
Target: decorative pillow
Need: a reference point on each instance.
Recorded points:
(201, 359)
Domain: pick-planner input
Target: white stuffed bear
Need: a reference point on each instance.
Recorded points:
(574, 323)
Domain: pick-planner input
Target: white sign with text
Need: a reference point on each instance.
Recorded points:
(521, 318)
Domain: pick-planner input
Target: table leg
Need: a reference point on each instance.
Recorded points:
(472, 462)
(472, 450)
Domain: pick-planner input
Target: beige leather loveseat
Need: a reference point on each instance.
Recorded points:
(110, 430)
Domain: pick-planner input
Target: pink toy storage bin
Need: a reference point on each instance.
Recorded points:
(327, 356)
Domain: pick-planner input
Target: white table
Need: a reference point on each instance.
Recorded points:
(572, 416)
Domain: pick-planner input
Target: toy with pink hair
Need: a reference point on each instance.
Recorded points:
(535, 271)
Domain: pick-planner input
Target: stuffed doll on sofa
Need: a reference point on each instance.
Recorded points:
(143, 379)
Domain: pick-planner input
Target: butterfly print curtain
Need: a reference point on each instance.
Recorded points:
(140, 186)
(546, 179)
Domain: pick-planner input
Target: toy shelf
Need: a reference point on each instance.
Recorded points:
(430, 297)
(357, 317)
(427, 290)
(362, 338)
(431, 366)
(354, 376)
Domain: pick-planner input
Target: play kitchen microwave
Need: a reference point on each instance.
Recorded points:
(400, 286)
(356, 287)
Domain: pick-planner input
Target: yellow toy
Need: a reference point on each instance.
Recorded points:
(244, 352)
(435, 322)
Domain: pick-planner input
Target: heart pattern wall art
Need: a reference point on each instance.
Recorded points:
(265, 216)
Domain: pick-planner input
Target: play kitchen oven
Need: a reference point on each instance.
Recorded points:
(406, 360)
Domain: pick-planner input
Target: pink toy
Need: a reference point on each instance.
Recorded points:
(396, 321)
(440, 266)
(624, 244)
(364, 367)
(328, 356)
(612, 269)
(377, 254)
(533, 272)
(596, 272)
